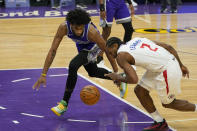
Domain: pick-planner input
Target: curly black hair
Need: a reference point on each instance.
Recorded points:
(114, 40)
(78, 17)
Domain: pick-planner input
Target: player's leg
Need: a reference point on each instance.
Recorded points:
(163, 6)
(147, 102)
(173, 6)
(106, 28)
(122, 16)
(74, 65)
(181, 105)
(94, 71)
(145, 99)
(105, 34)
(128, 31)
(146, 84)
(173, 76)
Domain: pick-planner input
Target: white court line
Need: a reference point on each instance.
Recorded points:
(80, 120)
(134, 122)
(21, 79)
(142, 19)
(141, 122)
(15, 122)
(194, 119)
(3, 108)
(191, 79)
(26, 114)
(58, 75)
(34, 68)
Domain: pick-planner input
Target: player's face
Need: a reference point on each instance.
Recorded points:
(77, 29)
(113, 50)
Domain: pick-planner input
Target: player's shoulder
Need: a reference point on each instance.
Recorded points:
(92, 31)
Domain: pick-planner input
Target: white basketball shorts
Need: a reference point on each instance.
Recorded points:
(166, 83)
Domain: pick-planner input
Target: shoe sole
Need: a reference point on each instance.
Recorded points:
(125, 94)
(55, 112)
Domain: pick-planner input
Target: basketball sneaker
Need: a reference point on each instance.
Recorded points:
(60, 108)
(158, 126)
(164, 10)
(123, 88)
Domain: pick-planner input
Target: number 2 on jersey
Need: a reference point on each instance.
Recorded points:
(143, 45)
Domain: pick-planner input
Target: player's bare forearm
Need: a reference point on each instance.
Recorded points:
(49, 60)
(171, 50)
(124, 60)
(112, 62)
(62, 30)
(101, 2)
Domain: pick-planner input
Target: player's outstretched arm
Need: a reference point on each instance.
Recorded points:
(61, 32)
(94, 36)
(125, 61)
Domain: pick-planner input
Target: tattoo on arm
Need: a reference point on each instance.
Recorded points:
(49, 60)
(52, 52)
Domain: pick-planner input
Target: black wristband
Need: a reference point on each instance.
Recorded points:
(129, 2)
(102, 8)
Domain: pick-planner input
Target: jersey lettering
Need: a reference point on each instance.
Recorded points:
(143, 45)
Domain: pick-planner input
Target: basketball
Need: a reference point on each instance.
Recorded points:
(89, 95)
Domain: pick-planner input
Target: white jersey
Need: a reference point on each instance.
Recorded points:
(147, 54)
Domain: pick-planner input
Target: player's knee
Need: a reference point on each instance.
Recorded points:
(140, 91)
(92, 74)
(129, 30)
(73, 67)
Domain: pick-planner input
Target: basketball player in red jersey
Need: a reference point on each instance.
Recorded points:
(163, 73)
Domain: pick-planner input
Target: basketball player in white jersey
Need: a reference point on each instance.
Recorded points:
(163, 73)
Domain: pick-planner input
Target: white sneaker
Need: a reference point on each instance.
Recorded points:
(123, 88)
(102, 65)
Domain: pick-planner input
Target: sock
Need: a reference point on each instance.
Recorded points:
(156, 116)
(196, 108)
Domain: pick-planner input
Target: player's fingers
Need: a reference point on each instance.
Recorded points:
(107, 75)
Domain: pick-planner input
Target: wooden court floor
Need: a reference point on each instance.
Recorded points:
(24, 43)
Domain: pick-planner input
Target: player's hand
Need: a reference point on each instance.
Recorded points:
(103, 14)
(185, 71)
(113, 76)
(117, 83)
(40, 81)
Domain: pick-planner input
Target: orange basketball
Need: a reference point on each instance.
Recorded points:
(89, 95)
